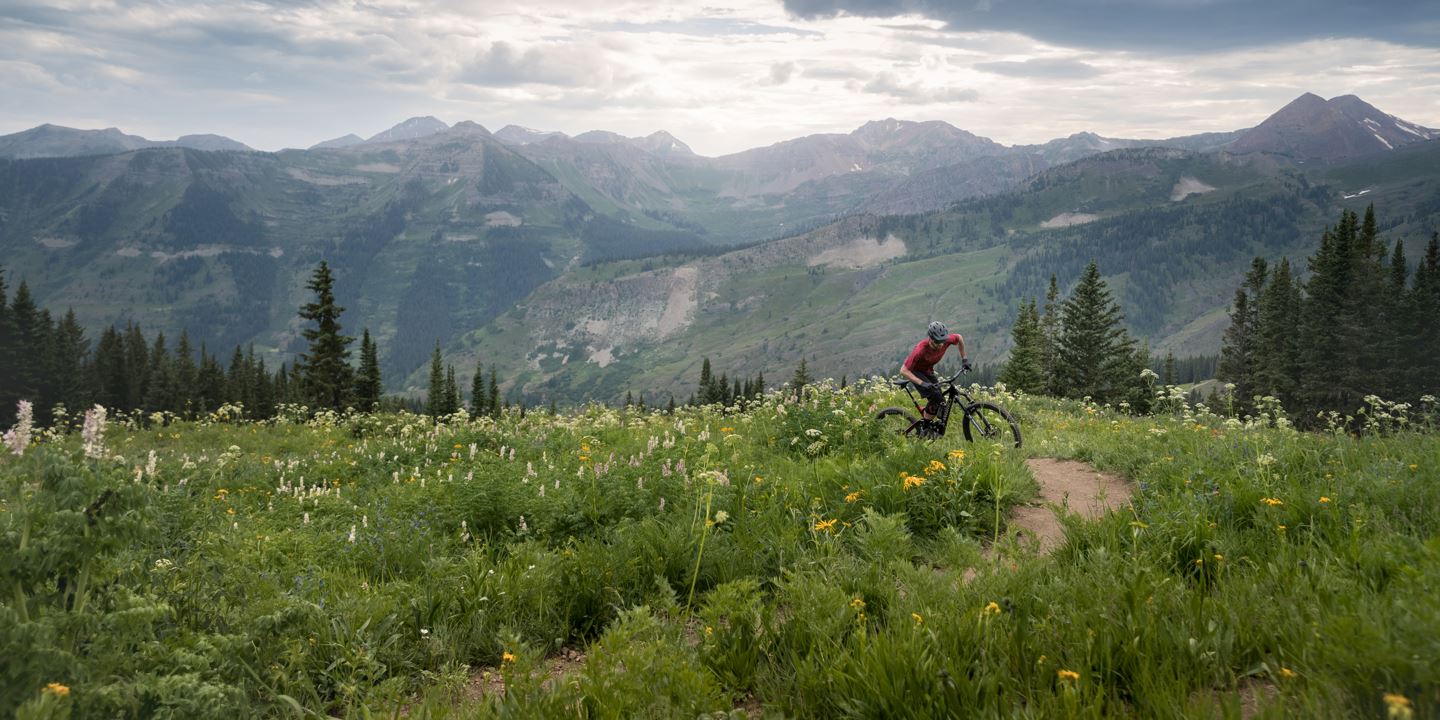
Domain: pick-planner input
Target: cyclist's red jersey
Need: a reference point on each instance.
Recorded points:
(923, 358)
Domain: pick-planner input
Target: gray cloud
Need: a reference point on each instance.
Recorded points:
(780, 73)
(504, 65)
(887, 83)
(1168, 25)
(1041, 68)
(705, 27)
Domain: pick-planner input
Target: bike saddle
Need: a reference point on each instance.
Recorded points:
(901, 383)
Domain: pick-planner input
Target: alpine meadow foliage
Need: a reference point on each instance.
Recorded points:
(790, 558)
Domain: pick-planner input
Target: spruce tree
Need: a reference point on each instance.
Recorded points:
(326, 376)
(368, 383)
(7, 358)
(759, 383)
(800, 380)
(1025, 370)
(492, 395)
(435, 397)
(68, 352)
(27, 348)
(161, 395)
(1276, 346)
(1237, 348)
(136, 367)
(1050, 338)
(452, 391)
(1093, 348)
(477, 392)
(108, 370)
(1169, 378)
(185, 373)
(706, 389)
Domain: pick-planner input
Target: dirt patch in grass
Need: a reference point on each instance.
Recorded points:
(1075, 486)
(488, 682)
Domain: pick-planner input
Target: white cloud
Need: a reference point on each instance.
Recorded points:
(275, 74)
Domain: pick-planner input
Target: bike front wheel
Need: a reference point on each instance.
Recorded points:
(989, 423)
(903, 422)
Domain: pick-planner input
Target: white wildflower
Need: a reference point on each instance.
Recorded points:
(18, 437)
(93, 432)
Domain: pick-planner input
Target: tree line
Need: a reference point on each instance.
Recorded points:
(1079, 347)
(1362, 324)
(52, 363)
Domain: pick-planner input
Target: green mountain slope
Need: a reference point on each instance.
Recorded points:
(1173, 230)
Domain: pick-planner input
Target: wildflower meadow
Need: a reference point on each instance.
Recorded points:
(783, 559)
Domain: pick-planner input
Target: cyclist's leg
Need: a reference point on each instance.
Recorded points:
(932, 395)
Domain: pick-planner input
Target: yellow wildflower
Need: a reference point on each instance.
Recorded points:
(918, 618)
(507, 657)
(727, 430)
(1272, 502)
(992, 609)
(826, 525)
(1067, 675)
(221, 493)
(934, 467)
(957, 454)
(457, 446)
(913, 481)
(1219, 557)
(858, 604)
(1281, 528)
(852, 497)
(584, 458)
(1413, 466)
(1398, 707)
(1288, 674)
(584, 447)
(56, 689)
(1324, 499)
(709, 631)
(759, 479)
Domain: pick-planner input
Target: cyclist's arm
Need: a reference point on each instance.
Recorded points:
(959, 342)
(912, 377)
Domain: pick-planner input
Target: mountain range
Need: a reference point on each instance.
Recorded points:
(583, 266)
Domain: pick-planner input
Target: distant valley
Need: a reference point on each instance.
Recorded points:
(591, 265)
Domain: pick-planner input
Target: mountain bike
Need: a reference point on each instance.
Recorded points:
(982, 421)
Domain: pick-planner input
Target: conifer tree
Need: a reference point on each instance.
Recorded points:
(326, 376)
(368, 383)
(800, 380)
(70, 382)
(1050, 338)
(162, 394)
(706, 388)
(759, 383)
(435, 397)
(136, 367)
(1169, 378)
(7, 358)
(492, 395)
(27, 348)
(185, 373)
(1093, 351)
(478, 406)
(1276, 346)
(452, 391)
(1025, 370)
(629, 399)
(108, 370)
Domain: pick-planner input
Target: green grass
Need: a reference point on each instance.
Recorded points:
(354, 566)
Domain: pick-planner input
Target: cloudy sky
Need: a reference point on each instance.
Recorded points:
(722, 76)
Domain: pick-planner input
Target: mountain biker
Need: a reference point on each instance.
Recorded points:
(919, 367)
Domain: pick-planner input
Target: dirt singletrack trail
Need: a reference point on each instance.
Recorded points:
(1071, 484)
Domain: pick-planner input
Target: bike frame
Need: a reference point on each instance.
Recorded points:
(952, 394)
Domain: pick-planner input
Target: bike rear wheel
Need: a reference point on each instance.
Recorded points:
(903, 422)
(988, 423)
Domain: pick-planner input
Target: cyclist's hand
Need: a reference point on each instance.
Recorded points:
(965, 365)
(927, 386)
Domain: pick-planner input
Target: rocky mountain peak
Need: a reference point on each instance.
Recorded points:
(412, 129)
(1312, 128)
